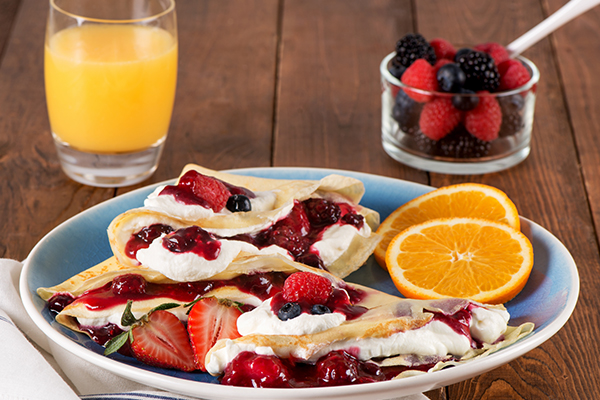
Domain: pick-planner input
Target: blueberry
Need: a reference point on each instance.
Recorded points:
(320, 309)
(462, 52)
(239, 202)
(396, 69)
(289, 311)
(451, 78)
(465, 103)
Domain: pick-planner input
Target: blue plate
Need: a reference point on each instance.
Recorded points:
(547, 300)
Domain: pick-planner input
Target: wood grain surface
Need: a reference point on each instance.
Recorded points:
(296, 83)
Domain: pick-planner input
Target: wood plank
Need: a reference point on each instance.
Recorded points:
(36, 195)
(8, 11)
(547, 188)
(329, 109)
(223, 113)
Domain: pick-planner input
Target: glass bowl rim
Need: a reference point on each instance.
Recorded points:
(535, 76)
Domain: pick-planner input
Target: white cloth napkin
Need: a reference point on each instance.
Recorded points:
(34, 368)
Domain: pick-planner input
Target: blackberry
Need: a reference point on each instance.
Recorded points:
(412, 47)
(481, 71)
(512, 121)
(461, 144)
(407, 112)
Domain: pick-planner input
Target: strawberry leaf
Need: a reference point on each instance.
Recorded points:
(116, 343)
(164, 306)
(128, 319)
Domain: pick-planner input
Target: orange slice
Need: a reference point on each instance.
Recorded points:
(471, 258)
(462, 200)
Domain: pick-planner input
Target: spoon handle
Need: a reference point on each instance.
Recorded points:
(566, 13)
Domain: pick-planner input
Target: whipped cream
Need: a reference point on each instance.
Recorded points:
(434, 339)
(263, 321)
(336, 239)
(189, 266)
(166, 203)
(487, 325)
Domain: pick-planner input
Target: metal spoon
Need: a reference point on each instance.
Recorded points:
(566, 13)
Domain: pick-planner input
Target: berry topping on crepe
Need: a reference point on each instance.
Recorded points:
(308, 287)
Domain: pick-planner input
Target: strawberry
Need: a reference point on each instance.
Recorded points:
(420, 75)
(210, 191)
(159, 338)
(163, 341)
(496, 50)
(513, 74)
(439, 118)
(306, 286)
(484, 121)
(443, 49)
(209, 320)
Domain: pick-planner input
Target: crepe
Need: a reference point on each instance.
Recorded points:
(384, 315)
(280, 194)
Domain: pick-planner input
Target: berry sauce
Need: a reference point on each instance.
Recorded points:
(261, 285)
(195, 240)
(144, 237)
(333, 369)
(296, 233)
(339, 301)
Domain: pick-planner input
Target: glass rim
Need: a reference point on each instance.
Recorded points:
(535, 77)
(168, 10)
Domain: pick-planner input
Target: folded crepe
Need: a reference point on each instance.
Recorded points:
(373, 326)
(340, 248)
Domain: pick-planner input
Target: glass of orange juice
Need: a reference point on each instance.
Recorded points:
(110, 73)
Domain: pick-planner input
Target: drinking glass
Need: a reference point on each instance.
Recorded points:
(110, 74)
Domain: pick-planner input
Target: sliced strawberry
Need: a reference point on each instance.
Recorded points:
(209, 320)
(212, 191)
(161, 340)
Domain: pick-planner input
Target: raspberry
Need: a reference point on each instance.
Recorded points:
(413, 47)
(496, 50)
(439, 118)
(306, 286)
(420, 75)
(513, 74)
(212, 191)
(484, 121)
(443, 49)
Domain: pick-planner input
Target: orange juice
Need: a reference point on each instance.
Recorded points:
(110, 88)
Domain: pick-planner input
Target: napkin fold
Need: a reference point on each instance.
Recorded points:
(35, 368)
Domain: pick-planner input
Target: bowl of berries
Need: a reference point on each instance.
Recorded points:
(456, 111)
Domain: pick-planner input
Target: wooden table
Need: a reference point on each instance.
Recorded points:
(296, 83)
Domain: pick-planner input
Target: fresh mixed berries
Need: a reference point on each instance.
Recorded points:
(448, 104)
(304, 292)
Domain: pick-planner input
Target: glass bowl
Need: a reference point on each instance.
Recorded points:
(459, 152)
